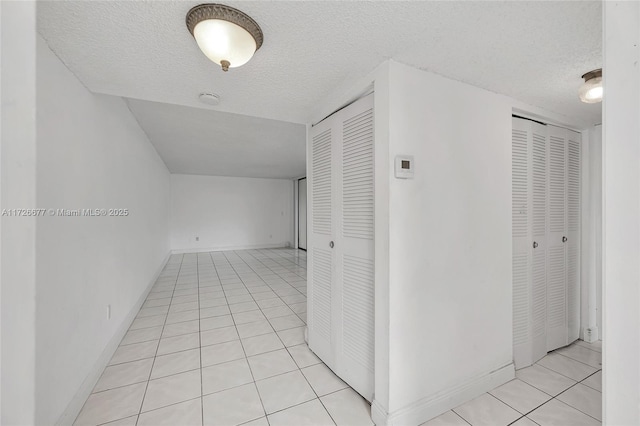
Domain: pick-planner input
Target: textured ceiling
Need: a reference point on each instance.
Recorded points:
(532, 51)
(197, 141)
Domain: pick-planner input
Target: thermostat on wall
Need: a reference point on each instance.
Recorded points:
(404, 166)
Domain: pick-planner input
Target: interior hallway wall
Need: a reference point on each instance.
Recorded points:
(17, 191)
(450, 291)
(621, 235)
(91, 154)
(591, 239)
(227, 213)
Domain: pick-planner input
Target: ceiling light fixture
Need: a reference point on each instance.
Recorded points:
(591, 90)
(225, 35)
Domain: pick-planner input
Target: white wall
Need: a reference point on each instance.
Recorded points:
(91, 153)
(621, 129)
(591, 239)
(450, 319)
(450, 235)
(18, 191)
(230, 212)
(443, 241)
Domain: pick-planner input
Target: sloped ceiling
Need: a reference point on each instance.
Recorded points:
(197, 141)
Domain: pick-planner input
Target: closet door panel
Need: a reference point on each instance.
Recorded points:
(521, 238)
(556, 298)
(557, 334)
(529, 216)
(539, 235)
(356, 334)
(321, 262)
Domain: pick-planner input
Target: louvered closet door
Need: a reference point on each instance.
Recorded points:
(573, 233)
(355, 246)
(529, 158)
(320, 256)
(557, 294)
(539, 246)
(546, 239)
(521, 235)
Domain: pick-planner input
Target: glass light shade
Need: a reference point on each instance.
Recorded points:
(591, 91)
(222, 40)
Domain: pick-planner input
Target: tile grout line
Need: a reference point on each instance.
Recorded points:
(551, 397)
(289, 352)
(241, 268)
(534, 386)
(546, 402)
(255, 385)
(557, 372)
(513, 408)
(557, 352)
(282, 300)
(267, 319)
(463, 419)
(108, 365)
(157, 347)
(577, 409)
(200, 342)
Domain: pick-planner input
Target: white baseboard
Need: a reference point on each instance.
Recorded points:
(432, 406)
(227, 248)
(590, 334)
(75, 405)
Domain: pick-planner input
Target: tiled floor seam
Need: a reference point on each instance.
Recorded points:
(463, 419)
(267, 319)
(577, 360)
(247, 360)
(240, 266)
(200, 341)
(157, 347)
(561, 373)
(521, 414)
(572, 386)
(283, 344)
(591, 387)
(577, 409)
(546, 402)
(318, 398)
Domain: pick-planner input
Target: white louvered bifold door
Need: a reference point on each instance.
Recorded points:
(538, 163)
(320, 257)
(521, 235)
(546, 239)
(341, 244)
(557, 294)
(529, 156)
(355, 244)
(574, 141)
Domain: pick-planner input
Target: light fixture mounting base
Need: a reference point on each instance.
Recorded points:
(592, 74)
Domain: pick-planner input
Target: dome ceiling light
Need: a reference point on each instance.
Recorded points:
(225, 35)
(591, 90)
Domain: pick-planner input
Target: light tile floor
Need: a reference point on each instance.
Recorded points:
(220, 341)
(562, 389)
